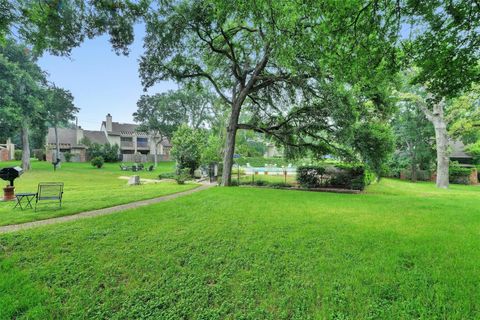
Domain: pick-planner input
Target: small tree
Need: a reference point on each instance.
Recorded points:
(21, 94)
(59, 110)
(187, 147)
(375, 143)
(212, 151)
(158, 117)
(414, 138)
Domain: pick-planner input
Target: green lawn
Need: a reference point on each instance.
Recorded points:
(86, 188)
(398, 251)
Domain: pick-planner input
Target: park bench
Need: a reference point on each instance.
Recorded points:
(50, 191)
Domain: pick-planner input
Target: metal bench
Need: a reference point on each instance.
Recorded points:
(50, 191)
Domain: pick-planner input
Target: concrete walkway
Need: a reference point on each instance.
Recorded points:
(100, 212)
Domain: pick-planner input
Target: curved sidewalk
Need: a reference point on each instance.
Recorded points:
(100, 212)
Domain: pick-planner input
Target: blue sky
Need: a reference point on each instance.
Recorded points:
(101, 81)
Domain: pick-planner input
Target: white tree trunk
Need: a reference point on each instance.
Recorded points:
(26, 148)
(443, 158)
(436, 117)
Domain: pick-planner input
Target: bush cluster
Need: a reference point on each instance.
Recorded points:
(458, 174)
(262, 183)
(68, 156)
(166, 175)
(18, 155)
(39, 154)
(97, 162)
(345, 176)
(183, 175)
(310, 176)
(108, 152)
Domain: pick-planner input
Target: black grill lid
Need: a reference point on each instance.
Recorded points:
(10, 173)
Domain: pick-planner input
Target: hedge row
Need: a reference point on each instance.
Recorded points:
(459, 175)
(342, 176)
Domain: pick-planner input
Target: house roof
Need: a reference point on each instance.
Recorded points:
(458, 150)
(124, 128)
(66, 136)
(95, 136)
(129, 129)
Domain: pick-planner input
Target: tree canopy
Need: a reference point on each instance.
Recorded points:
(253, 54)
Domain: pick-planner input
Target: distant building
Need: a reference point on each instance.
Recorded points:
(458, 153)
(132, 141)
(7, 151)
(133, 145)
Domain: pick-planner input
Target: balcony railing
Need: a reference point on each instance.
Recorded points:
(126, 144)
(142, 144)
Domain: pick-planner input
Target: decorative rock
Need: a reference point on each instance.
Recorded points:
(134, 181)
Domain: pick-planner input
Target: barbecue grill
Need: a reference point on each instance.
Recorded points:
(10, 174)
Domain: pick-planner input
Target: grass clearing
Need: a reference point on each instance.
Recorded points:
(86, 188)
(398, 251)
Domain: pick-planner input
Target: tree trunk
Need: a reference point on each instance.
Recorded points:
(436, 117)
(230, 144)
(155, 160)
(57, 148)
(443, 159)
(26, 148)
(413, 165)
(414, 172)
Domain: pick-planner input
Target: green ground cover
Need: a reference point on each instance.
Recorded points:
(398, 251)
(86, 188)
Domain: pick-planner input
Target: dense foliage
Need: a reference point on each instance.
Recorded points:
(459, 174)
(108, 152)
(187, 147)
(278, 66)
(343, 176)
(97, 162)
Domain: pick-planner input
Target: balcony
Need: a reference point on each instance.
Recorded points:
(126, 144)
(142, 144)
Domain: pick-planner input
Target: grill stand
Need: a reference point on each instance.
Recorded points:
(8, 193)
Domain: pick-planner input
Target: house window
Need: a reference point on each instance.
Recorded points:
(126, 139)
(142, 142)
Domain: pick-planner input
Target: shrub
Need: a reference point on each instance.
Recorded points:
(97, 162)
(18, 155)
(68, 156)
(182, 176)
(310, 176)
(39, 154)
(346, 176)
(187, 147)
(279, 185)
(108, 152)
(352, 176)
(458, 174)
(167, 175)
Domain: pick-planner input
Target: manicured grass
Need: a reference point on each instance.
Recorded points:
(399, 251)
(86, 188)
